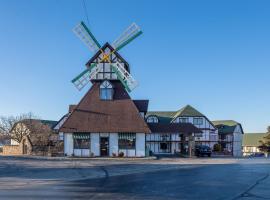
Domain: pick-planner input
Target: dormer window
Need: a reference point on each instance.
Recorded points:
(152, 119)
(106, 90)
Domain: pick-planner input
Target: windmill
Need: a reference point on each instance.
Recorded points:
(117, 67)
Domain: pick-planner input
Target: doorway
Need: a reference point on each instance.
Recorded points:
(104, 146)
(24, 147)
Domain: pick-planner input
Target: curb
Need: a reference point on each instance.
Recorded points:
(78, 158)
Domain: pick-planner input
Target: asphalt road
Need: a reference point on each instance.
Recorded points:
(244, 180)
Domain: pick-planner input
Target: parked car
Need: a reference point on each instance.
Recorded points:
(257, 154)
(202, 150)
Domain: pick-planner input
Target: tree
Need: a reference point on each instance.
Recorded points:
(268, 129)
(13, 127)
(265, 143)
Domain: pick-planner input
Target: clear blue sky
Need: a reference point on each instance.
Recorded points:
(213, 55)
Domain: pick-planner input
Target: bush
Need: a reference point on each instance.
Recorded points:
(121, 154)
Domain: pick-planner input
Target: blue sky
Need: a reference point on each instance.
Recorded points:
(213, 55)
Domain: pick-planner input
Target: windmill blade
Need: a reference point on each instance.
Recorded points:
(129, 34)
(83, 78)
(124, 76)
(87, 37)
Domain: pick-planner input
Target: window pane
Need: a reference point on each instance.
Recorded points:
(127, 141)
(103, 94)
(81, 143)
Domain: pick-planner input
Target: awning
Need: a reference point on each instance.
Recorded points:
(128, 136)
(81, 136)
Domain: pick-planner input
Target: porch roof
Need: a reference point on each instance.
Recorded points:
(173, 128)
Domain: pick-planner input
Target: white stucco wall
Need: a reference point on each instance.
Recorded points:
(237, 141)
(113, 143)
(68, 144)
(140, 144)
(95, 148)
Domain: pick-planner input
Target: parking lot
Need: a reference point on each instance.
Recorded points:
(167, 178)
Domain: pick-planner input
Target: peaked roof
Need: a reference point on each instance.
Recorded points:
(107, 45)
(99, 116)
(226, 126)
(188, 111)
(253, 139)
(142, 105)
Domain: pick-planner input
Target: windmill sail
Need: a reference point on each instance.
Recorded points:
(87, 37)
(129, 34)
(83, 78)
(124, 76)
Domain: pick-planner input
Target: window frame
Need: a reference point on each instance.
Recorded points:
(127, 141)
(154, 119)
(183, 118)
(197, 119)
(108, 89)
(82, 143)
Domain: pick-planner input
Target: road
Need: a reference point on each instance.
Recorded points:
(242, 179)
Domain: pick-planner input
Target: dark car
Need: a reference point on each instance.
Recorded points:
(202, 150)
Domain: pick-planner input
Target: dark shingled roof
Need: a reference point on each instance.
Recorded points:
(142, 105)
(99, 116)
(173, 128)
(226, 126)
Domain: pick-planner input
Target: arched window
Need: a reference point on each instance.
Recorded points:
(152, 119)
(106, 90)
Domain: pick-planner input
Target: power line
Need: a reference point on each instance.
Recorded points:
(85, 11)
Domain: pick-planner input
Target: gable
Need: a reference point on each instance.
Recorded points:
(228, 126)
(106, 71)
(99, 116)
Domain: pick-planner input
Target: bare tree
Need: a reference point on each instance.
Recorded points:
(13, 126)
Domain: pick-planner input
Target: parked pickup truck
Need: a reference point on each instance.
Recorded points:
(201, 150)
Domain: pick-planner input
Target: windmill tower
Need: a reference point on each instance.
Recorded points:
(106, 121)
(106, 64)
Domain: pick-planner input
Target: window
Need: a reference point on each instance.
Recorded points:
(61, 136)
(197, 121)
(163, 146)
(106, 91)
(183, 120)
(165, 137)
(126, 140)
(152, 119)
(81, 140)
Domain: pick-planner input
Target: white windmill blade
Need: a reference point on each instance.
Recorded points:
(83, 78)
(128, 35)
(125, 77)
(87, 37)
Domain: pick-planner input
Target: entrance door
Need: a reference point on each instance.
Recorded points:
(24, 146)
(104, 146)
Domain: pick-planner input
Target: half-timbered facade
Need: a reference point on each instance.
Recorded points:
(192, 128)
(230, 136)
